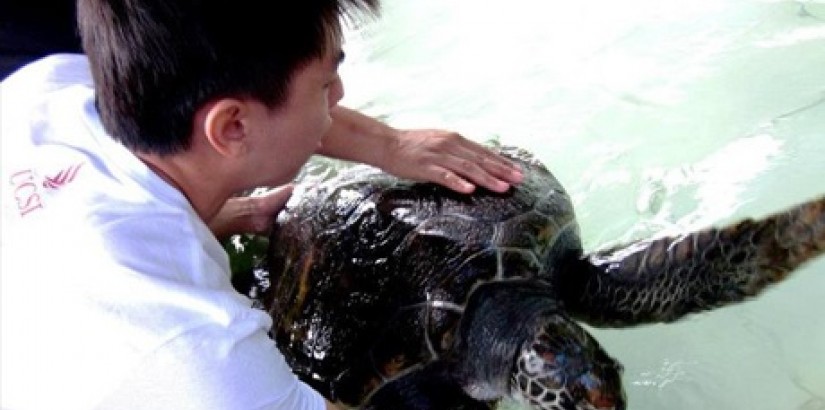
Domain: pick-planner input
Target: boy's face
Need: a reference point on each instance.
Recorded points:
(287, 136)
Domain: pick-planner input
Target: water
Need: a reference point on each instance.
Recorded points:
(658, 116)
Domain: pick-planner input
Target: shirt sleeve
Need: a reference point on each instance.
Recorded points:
(204, 369)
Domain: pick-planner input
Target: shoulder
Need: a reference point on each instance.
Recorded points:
(52, 72)
(45, 100)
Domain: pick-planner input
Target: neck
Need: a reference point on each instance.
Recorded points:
(197, 182)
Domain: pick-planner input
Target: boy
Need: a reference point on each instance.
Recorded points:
(115, 291)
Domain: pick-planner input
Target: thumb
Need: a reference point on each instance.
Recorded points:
(274, 200)
(266, 206)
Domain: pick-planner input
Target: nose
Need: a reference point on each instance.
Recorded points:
(336, 91)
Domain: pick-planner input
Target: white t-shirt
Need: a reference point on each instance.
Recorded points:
(115, 295)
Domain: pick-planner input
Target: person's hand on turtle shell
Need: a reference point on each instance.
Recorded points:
(249, 214)
(447, 158)
(430, 155)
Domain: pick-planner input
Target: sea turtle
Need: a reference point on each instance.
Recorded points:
(389, 294)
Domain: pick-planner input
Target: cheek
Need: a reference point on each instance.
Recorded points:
(309, 127)
(312, 131)
(299, 132)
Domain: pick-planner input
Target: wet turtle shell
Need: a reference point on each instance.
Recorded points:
(393, 294)
(358, 258)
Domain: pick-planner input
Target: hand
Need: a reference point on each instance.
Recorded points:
(449, 159)
(249, 214)
(438, 156)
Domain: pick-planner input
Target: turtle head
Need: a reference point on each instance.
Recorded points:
(564, 368)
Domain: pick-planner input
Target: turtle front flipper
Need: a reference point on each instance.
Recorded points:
(664, 279)
(427, 387)
(515, 340)
(544, 360)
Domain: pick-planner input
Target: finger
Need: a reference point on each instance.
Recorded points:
(499, 166)
(473, 172)
(263, 209)
(496, 165)
(449, 179)
(272, 201)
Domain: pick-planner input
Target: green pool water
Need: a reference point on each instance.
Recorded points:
(659, 116)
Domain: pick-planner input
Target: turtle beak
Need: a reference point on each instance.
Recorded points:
(605, 401)
(603, 388)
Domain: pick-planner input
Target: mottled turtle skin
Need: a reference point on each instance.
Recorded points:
(388, 294)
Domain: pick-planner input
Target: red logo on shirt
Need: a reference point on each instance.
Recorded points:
(25, 192)
(62, 178)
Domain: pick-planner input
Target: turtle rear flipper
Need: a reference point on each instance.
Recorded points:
(664, 279)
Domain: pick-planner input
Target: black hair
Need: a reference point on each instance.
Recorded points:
(155, 62)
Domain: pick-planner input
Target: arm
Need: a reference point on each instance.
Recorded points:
(249, 214)
(437, 156)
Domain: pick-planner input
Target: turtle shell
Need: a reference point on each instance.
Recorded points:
(369, 273)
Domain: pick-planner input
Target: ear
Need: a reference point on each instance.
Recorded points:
(226, 126)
